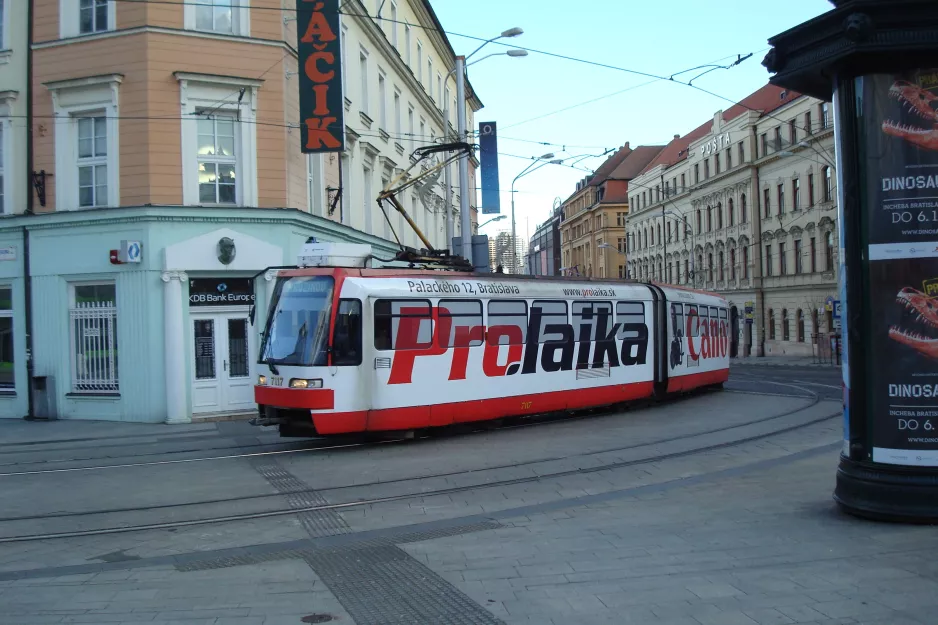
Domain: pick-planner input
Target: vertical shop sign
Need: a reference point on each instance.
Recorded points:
(319, 47)
(488, 162)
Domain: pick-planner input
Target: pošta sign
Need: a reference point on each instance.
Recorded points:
(322, 107)
(221, 292)
(900, 140)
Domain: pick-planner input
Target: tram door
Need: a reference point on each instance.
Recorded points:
(734, 332)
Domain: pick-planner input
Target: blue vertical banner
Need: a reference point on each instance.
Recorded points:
(488, 155)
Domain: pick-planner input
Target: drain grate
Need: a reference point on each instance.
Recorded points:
(317, 618)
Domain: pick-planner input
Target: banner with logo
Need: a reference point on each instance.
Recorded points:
(319, 48)
(488, 157)
(898, 116)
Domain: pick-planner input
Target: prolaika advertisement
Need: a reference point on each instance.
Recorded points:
(899, 116)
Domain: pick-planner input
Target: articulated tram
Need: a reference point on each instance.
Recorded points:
(349, 349)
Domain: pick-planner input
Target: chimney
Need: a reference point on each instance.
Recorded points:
(677, 136)
(626, 146)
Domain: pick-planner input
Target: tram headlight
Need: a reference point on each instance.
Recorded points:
(301, 383)
(262, 380)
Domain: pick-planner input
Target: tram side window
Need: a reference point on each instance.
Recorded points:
(629, 312)
(714, 321)
(588, 313)
(347, 338)
(724, 329)
(553, 312)
(403, 324)
(677, 319)
(512, 316)
(463, 315)
(704, 320)
(693, 319)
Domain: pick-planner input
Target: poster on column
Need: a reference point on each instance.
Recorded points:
(899, 122)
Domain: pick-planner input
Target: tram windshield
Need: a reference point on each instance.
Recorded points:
(298, 323)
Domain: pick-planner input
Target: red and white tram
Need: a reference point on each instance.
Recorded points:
(347, 349)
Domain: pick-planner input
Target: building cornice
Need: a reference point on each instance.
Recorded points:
(137, 30)
(86, 81)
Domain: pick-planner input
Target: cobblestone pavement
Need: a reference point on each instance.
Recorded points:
(712, 510)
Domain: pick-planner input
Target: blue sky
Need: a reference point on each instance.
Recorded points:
(662, 37)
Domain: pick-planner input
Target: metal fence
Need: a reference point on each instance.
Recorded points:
(94, 347)
(827, 348)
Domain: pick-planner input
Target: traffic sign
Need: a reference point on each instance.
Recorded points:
(836, 309)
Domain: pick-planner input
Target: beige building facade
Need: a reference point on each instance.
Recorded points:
(745, 205)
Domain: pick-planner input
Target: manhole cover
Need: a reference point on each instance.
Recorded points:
(318, 618)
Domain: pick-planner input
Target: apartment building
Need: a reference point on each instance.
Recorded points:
(745, 205)
(169, 178)
(592, 229)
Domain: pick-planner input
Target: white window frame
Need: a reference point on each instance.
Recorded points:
(394, 24)
(94, 161)
(82, 97)
(419, 62)
(315, 179)
(4, 29)
(343, 65)
(8, 166)
(205, 92)
(215, 117)
(397, 114)
(7, 313)
(70, 16)
(240, 19)
(430, 76)
(408, 43)
(410, 126)
(73, 351)
(439, 88)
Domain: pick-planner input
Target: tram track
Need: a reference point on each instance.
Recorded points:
(337, 506)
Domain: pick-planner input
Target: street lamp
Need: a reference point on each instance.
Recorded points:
(493, 219)
(460, 69)
(543, 160)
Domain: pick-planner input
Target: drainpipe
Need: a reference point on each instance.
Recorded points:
(27, 281)
(757, 273)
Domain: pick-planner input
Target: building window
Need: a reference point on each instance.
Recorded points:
(768, 260)
(92, 161)
(792, 132)
(764, 142)
(7, 375)
(710, 266)
(430, 76)
(622, 271)
(407, 46)
(800, 322)
(782, 260)
(696, 173)
(777, 139)
(393, 24)
(419, 62)
(699, 221)
(217, 160)
(766, 208)
(86, 142)
(731, 212)
(93, 317)
(719, 216)
(397, 115)
(781, 199)
(686, 271)
(799, 264)
(382, 101)
(716, 163)
(219, 157)
(807, 123)
(743, 211)
(810, 189)
(93, 16)
(732, 264)
(729, 158)
(785, 333)
(439, 89)
(363, 73)
(720, 265)
(825, 115)
(410, 127)
(709, 219)
(683, 183)
(706, 168)
(795, 194)
(813, 255)
(829, 241)
(746, 262)
(771, 324)
(214, 15)
(828, 185)
(742, 152)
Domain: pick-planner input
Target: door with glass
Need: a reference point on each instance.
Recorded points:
(221, 367)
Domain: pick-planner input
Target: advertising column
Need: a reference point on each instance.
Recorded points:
(898, 126)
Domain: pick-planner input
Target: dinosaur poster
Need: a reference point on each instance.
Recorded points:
(899, 164)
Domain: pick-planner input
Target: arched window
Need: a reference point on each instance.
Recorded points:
(709, 219)
(720, 265)
(659, 234)
(710, 266)
(699, 222)
(732, 263)
(743, 217)
(814, 328)
(645, 236)
(771, 324)
(785, 335)
(800, 326)
(719, 215)
(730, 212)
